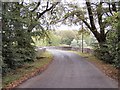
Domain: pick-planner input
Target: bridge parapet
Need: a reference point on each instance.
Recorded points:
(86, 50)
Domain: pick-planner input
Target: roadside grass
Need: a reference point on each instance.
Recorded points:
(27, 69)
(108, 69)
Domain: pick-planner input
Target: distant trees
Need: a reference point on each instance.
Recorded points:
(66, 36)
(74, 43)
(83, 39)
(51, 40)
(56, 38)
(78, 43)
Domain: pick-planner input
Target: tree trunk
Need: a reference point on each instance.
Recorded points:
(100, 36)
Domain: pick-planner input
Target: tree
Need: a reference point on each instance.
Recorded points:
(52, 40)
(96, 13)
(55, 39)
(66, 36)
(118, 34)
(36, 15)
(16, 47)
(109, 53)
(74, 43)
(19, 22)
(78, 43)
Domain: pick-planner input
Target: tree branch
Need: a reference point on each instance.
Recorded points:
(40, 14)
(99, 15)
(107, 14)
(86, 24)
(110, 9)
(107, 32)
(38, 4)
(47, 4)
(114, 7)
(47, 9)
(91, 16)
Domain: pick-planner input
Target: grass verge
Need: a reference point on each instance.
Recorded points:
(14, 78)
(108, 69)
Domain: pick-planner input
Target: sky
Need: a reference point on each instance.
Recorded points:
(73, 27)
(66, 27)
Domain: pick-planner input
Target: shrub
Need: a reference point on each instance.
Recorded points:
(108, 52)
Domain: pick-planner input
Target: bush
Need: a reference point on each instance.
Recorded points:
(103, 54)
(108, 52)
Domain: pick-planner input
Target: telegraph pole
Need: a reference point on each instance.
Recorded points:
(82, 37)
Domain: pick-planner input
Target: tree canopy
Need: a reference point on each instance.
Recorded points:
(94, 16)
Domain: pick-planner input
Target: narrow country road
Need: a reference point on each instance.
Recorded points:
(69, 70)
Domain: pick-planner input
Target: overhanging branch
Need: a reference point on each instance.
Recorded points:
(47, 9)
(38, 4)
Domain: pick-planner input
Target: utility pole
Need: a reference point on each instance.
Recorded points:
(82, 37)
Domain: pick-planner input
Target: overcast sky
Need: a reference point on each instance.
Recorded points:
(73, 27)
(66, 27)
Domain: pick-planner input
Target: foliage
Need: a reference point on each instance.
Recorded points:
(87, 36)
(51, 40)
(117, 59)
(27, 70)
(109, 52)
(74, 43)
(20, 21)
(66, 36)
(16, 47)
(97, 14)
(54, 39)
(78, 43)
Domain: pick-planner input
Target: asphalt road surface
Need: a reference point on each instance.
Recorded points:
(69, 70)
